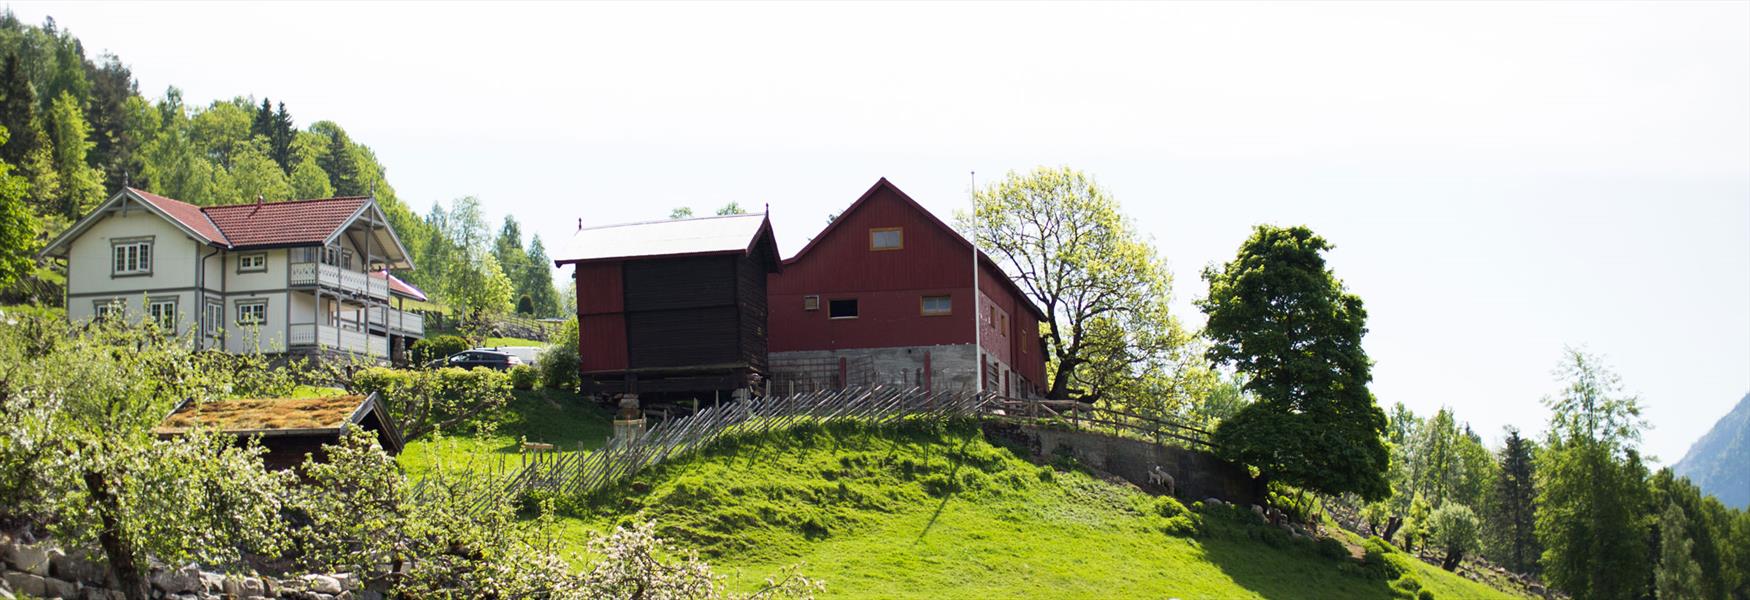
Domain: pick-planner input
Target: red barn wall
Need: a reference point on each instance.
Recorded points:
(601, 320)
(888, 284)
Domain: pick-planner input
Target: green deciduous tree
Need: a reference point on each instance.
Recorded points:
(732, 208)
(81, 185)
(254, 174)
(1454, 529)
(1678, 576)
(17, 225)
(1592, 491)
(1102, 286)
(1279, 316)
(680, 213)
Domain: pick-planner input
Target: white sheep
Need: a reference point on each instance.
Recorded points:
(1159, 477)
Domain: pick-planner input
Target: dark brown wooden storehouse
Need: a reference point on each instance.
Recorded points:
(289, 428)
(673, 308)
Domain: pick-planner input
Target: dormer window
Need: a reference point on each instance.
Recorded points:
(886, 238)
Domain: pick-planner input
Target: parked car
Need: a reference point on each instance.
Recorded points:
(480, 357)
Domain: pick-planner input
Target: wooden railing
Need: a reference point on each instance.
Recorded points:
(1081, 415)
(324, 336)
(333, 277)
(398, 321)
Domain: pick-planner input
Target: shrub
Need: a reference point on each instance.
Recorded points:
(1453, 527)
(425, 401)
(1332, 549)
(435, 347)
(559, 363)
(524, 377)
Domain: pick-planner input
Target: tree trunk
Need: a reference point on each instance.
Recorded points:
(113, 540)
(1452, 559)
(1391, 528)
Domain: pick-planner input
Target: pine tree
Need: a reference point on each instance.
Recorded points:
(341, 165)
(282, 133)
(116, 129)
(1513, 518)
(537, 281)
(17, 113)
(1678, 576)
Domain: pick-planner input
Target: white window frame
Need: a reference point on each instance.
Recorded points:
(811, 302)
(113, 308)
(155, 310)
(258, 307)
(215, 318)
(130, 257)
(252, 263)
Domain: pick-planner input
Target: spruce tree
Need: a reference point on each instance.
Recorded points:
(17, 112)
(1513, 518)
(537, 281)
(281, 133)
(341, 165)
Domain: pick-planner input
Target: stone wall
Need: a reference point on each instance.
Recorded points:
(43, 570)
(952, 368)
(1196, 474)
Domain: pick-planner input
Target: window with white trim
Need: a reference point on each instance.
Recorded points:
(215, 318)
(132, 258)
(811, 302)
(162, 312)
(251, 312)
(109, 309)
(252, 263)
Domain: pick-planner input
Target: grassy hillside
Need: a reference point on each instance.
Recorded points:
(938, 512)
(540, 415)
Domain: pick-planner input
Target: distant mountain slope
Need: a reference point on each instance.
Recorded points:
(1719, 462)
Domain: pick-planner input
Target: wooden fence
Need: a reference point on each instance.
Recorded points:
(581, 472)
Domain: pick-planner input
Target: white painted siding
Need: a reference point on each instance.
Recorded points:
(270, 336)
(90, 257)
(274, 278)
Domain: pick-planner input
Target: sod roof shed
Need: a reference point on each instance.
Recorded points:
(289, 428)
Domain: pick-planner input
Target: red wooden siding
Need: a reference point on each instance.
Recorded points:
(601, 322)
(888, 284)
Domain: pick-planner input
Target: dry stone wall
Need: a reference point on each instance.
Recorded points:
(44, 570)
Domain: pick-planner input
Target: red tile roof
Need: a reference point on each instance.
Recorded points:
(294, 222)
(189, 215)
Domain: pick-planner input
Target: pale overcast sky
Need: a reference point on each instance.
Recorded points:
(1500, 179)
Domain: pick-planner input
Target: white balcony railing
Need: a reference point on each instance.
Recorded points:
(401, 322)
(330, 276)
(323, 336)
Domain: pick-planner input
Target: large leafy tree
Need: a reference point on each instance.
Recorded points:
(537, 280)
(1103, 288)
(1279, 316)
(1592, 492)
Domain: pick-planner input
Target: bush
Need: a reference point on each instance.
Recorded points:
(524, 377)
(425, 401)
(435, 347)
(559, 363)
(1332, 549)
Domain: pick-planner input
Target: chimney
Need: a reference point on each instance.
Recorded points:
(259, 199)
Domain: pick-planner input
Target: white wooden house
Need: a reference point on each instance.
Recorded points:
(296, 277)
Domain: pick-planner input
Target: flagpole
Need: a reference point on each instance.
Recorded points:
(977, 297)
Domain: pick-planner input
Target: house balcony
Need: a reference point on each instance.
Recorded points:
(397, 322)
(326, 337)
(315, 274)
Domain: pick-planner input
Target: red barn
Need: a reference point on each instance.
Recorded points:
(673, 308)
(885, 295)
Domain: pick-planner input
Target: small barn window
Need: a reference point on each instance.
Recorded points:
(842, 309)
(811, 303)
(886, 238)
(936, 306)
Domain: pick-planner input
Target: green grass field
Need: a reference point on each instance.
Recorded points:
(539, 415)
(510, 341)
(941, 513)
